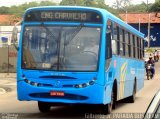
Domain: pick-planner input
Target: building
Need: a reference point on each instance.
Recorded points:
(8, 53)
(141, 22)
(6, 34)
(8, 20)
(7, 23)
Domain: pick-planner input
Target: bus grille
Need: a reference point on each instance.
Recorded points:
(67, 96)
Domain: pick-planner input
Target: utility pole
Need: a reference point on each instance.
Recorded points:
(126, 16)
(149, 16)
(139, 20)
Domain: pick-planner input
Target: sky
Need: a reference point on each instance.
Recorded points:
(110, 2)
(17, 2)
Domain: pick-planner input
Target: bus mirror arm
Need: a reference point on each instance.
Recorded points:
(14, 37)
(17, 48)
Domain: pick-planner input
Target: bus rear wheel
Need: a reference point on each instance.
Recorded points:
(44, 106)
(133, 97)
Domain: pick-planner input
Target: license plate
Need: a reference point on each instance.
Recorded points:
(56, 93)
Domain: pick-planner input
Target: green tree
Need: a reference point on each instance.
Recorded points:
(155, 7)
(19, 10)
(14, 10)
(47, 3)
(89, 3)
(139, 8)
(4, 10)
(72, 2)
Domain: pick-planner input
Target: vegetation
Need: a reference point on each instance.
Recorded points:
(19, 10)
(120, 6)
(140, 8)
(155, 7)
(4, 10)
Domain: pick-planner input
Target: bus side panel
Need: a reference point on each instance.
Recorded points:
(109, 74)
(125, 72)
(140, 73)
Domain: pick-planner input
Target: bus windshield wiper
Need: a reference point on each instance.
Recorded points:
(48, 30)
(76, 31)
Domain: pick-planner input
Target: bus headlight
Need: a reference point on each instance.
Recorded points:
(86, 84)
(32, 83)
(76, 86)
(27, 81)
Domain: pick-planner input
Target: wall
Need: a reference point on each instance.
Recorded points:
(154, 33)
(8, 53)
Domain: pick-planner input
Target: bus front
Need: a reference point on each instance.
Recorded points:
(59, 57)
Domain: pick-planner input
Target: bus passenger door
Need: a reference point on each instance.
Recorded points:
(108, 69)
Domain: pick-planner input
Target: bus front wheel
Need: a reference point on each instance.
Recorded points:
(43, 106)
(107, 109)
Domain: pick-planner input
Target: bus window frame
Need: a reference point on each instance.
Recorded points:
(131, 42)
(108, 50)
(65, 25)
(115, 38)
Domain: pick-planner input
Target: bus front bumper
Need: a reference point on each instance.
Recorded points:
(93, 94)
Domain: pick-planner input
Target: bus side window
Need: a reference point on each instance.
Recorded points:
(108, 40)
(108, 46)
(121, 34)
(133, 41)
(108, 49)
(115, 40)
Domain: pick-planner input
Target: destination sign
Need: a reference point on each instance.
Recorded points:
(63, 15)
(79, 16)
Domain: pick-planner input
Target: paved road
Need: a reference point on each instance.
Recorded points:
(9, 103)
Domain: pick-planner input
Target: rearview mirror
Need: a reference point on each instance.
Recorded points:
(14, 36)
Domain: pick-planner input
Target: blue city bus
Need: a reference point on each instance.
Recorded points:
(78, 55)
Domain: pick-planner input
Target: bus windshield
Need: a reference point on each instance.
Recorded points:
(61, 48)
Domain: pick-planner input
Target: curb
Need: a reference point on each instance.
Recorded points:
(7, 75)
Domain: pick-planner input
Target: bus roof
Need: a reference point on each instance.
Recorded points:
(106, 15)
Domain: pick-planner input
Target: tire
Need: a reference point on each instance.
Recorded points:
(43, 106)
(148, 77)
(133, 97)
(107, 109)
